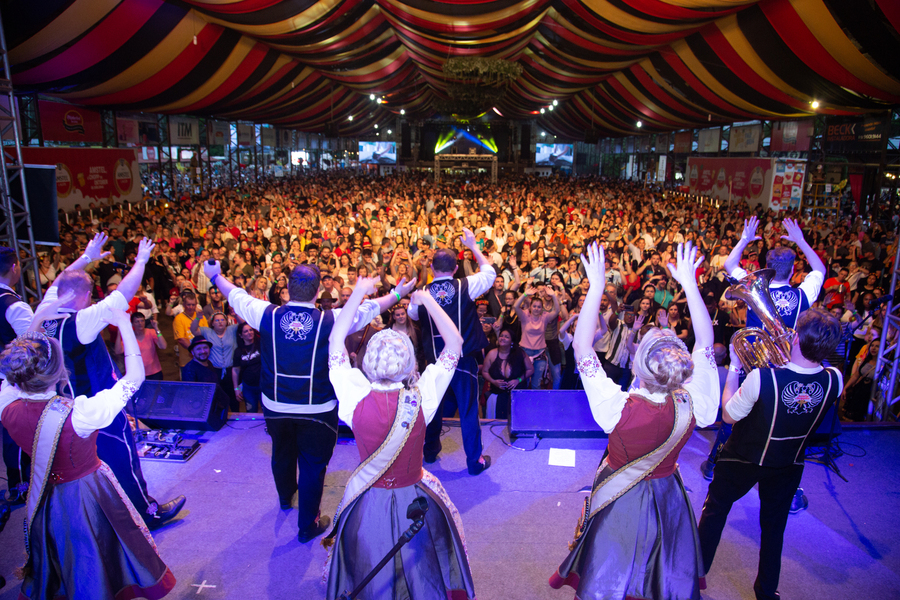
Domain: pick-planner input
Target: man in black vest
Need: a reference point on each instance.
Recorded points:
(457, 298)
(91, 369)
(774, 411)
(15, 317)
(298, 400)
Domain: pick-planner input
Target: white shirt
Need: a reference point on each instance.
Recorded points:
(741, 403)
(88, 414)
(19, 314)
(90, 321)
(607, 399)
(479, 283)
(811, 285)
(252, 310)
(351, 386)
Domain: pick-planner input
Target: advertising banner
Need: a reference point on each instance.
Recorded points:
(791, 136)
(709, 140)
(246, 135)
(267, 136)
(683, 142)
(127, 131)
(662, 143)
(285, 139)
(745, 138)
(218, 133)
(68, 123)
(747, 179)
(85, 175)
(661, 170)
(855, 134)
(787, 185)
(184, 131)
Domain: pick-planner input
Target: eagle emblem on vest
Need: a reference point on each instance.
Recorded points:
(50, 328)
(802, 398)
(296, 326)
(786, 302)
(443, 292)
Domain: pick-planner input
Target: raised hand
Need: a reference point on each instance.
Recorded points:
(94, 249)
(145, 249)
(595, 264)
(638, 322)
(467, 238)
(687, 263)
(749, 233)
(418, 297)
(368, 284)
(794, 233)
(211, 270)
(405, 287)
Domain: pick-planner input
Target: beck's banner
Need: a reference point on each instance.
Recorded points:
(69, 123)
(85, 175)
(855, 134)
(740, 179)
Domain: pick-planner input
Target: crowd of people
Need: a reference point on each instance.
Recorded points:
(389, 303)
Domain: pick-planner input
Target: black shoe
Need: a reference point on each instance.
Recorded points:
(17, 495)
(707, 469)
(430, 460)
(319, 527)
(482, 466)
(166, 513)
(800, 502)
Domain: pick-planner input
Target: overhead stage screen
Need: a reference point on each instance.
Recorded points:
(554, 155)
(378, 153)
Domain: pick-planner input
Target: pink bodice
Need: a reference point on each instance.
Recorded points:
(372, 422)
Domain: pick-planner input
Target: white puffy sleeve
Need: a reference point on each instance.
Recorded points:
(434, 381)
(704, 386)
(605, 396)
(350, 385)
(98, 411)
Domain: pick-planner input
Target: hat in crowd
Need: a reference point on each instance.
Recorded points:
(199, 340)
(326, 276)
(556, 258)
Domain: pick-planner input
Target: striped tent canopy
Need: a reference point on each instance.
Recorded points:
(308, 64)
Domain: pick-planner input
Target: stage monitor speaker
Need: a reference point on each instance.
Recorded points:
(552, 413)
(180, 405)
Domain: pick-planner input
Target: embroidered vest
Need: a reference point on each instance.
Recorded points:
(453, 296)
(7, 333)
(789, 301)
(91, 369)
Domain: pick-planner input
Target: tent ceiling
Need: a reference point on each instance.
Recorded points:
(305, 63)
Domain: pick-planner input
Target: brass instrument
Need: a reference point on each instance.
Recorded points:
(773, 345)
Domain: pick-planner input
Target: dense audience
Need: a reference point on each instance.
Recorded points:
(533, 230)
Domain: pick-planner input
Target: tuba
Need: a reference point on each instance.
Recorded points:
(773, 342)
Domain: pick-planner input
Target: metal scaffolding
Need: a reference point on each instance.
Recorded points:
(15, 217)
(885, 393)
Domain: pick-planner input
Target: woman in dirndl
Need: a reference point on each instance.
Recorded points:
(83, 536)
(387, 405)
(638, 537)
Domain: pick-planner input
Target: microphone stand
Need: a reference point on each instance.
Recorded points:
(416, 511)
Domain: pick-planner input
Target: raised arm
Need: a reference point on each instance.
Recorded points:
(747, 237)
(683, 272)
(92, 252)
(795, 234)
(453, 341)
(345, 319)
(595, 268)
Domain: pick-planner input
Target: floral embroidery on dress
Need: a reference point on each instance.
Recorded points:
(129, 387)
(589, 365)
(448, 360)
(337, 359)
(710, 355)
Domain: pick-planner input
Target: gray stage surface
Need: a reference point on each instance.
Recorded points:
(518, 517)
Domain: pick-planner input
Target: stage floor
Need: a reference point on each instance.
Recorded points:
(233, 541)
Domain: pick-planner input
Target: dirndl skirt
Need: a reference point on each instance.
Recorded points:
(88, 541)
(642, 545)
(432, 566)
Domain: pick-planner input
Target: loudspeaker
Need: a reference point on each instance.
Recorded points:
(180, 405)
(525, 151)
(405, 141)
(40, 183)
(552, 413)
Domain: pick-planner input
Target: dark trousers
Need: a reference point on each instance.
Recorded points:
(115, 447)
(301, 449)
(464, 389)
(721, 437)
(18, 464)
(731, 481)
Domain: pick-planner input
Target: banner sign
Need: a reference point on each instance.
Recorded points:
(267, 136)
(218, 133)
(855, 134)
(683, 142)
(661, 169)
(68, 123)
(285, 139)
(246, 134)
(85, 175)
(709, 140)
(662, 143)
(645, 144)
(745, 139)
(740, 179)
(127, 131)
(791, 136)
(787, 187)
(184, 131)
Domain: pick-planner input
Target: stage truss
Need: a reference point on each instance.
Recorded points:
(464, 161)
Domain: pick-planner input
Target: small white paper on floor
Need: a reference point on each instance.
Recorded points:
(562, 458)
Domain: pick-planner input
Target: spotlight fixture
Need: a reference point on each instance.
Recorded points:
(640, 124)
(402, 112)
(814, 104)
(542, 111)
(390, 132)
(550, 107)
(371, 96)
(555, 103)
(350, 118)
(543, 133)
(376, 125)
